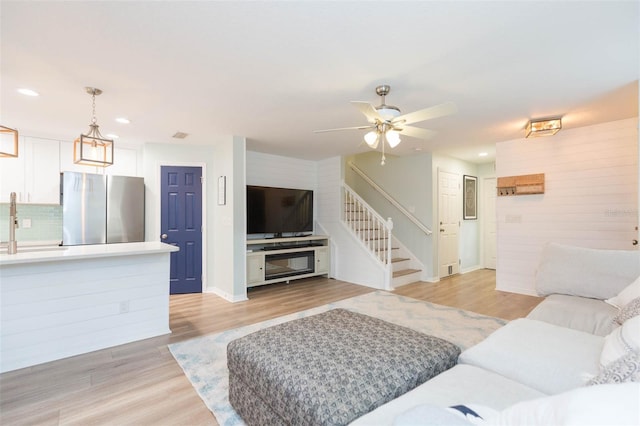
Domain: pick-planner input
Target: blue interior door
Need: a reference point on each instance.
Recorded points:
(181, 225)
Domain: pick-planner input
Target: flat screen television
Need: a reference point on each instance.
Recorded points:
(279, 211)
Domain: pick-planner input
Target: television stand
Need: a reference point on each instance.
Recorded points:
(275, 260)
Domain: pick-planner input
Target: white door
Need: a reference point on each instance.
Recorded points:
(449, 223)
(489, 222)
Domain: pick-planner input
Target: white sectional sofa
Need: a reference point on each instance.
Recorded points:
(574, 360)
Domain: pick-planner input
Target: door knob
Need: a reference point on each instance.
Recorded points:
(164, 236)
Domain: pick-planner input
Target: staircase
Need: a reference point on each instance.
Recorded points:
(375, 234)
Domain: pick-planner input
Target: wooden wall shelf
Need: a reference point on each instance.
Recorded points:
(520, 185)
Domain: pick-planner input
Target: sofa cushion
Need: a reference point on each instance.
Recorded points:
(585, 272)
(628, 311)
(462, 384)
(434, 415)
(626, 295)
(543, 356)
(586, 406)
(621, 341)
(580, 313)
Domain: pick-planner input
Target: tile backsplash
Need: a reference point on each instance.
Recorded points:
(46, 222)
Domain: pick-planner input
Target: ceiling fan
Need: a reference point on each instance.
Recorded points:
(386, 120)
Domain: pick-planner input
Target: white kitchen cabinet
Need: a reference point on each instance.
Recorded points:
(125, 162)
(35, 175)
(66, 160)
(42, 171)
(12, 174)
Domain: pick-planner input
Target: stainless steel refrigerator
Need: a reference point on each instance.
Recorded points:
(98, 209)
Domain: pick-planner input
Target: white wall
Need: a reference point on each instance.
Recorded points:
(324, 177)
(349, 261)
(223, 267)
(408, 180)
(229, 274)
(469, 236)
(590, 199)
(485, 171)
(284, 172)
(413, 182)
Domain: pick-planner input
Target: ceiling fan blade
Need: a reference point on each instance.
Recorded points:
(416, 132)
(368, 110)
(344, 128)
(427, 113)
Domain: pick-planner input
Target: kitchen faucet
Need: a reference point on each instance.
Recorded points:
(12, 248)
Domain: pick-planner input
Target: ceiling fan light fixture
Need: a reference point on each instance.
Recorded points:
(393, 137)
(543, 127)
(388, 112)
(371, 138)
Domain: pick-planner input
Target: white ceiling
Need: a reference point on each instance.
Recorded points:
(276, 71)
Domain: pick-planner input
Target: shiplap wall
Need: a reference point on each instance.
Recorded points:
(345, 250)
(284, 172)
(590, 199)
(56, 310)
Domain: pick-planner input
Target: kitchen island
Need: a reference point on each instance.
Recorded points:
(65, 301)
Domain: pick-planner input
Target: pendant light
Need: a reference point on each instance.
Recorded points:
(93, 149)
(9, 145)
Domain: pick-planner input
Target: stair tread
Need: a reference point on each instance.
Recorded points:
(399, 259)
(403, 272)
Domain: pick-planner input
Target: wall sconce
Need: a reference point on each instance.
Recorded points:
(545, 127)
(9, 142)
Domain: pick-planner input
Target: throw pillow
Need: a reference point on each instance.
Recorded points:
(624, 369)
(629, 293)
(620, 341)
(585, 406)
(630, 310)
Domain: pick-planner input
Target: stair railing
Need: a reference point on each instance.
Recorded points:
(389, 198)
(371, 229)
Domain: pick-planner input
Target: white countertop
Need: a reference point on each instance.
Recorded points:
(56, 253)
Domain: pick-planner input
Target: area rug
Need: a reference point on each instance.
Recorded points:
(204, 359)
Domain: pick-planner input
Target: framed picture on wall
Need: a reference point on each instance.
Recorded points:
(470, 193)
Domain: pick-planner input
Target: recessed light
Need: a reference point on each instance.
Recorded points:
(483, 154)
(112, 136)
(28, 92)
(123, 120)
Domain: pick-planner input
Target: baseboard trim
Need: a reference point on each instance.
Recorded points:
(518, 290)
(470, 269)
(226, 296)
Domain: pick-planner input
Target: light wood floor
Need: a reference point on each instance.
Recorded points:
(140, 383)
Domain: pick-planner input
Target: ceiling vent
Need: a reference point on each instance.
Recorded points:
(180, 135)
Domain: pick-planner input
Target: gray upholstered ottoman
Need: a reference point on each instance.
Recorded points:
(329, 369)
